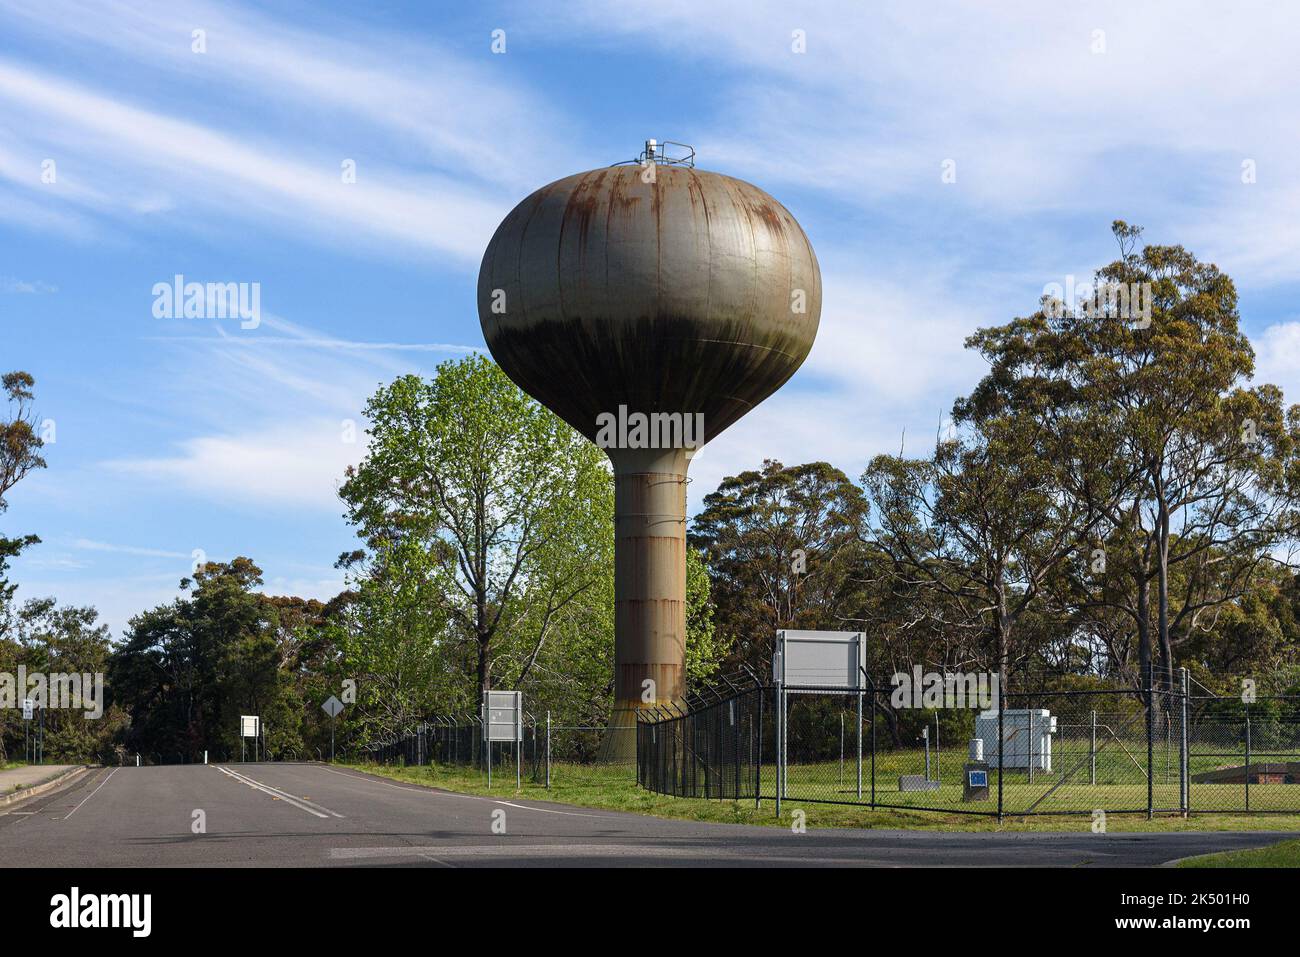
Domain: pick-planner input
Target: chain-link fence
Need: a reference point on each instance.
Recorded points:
(546, 747)
(1244, 755)
(1056, 751)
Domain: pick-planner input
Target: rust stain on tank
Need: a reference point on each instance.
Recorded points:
(770, 217)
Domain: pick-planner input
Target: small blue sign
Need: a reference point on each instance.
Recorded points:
(978, 779)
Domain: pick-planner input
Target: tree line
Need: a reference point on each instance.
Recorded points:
(1115, 499)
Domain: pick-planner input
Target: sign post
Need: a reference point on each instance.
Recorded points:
(249, 726)
(27, 719)
(503, 716)
(333, 707)
(812, 661)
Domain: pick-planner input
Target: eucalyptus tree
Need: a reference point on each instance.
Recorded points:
(785, 548)
(974, 533)
(20, 454)
(1151, 421)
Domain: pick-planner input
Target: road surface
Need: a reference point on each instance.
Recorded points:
(269, 815)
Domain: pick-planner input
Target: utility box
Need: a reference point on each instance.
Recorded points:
(975, 784)
(1026, 738)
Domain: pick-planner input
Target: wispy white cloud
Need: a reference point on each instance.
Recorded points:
(344, 345)
(1105, 110)
(90, 545)
(1277, 357)
(220, 175)
(295, 465)
(23, 286)
(465, 115)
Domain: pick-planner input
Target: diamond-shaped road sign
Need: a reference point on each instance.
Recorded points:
(332, 706)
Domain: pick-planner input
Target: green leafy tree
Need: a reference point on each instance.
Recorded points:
(488, 558)
(65, 640)
(395, 644)
(499, 495)
(188, 670)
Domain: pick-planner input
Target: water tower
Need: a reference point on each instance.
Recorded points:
(656, 289)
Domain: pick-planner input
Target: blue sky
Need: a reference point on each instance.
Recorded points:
(180, 434)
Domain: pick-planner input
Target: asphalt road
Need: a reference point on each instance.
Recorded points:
(270, 815)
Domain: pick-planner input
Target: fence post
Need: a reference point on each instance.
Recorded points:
(548, 750)
(1246, 704)
(936, 745)
(735, 722)
(873, 745)
(1002, 709)
(1151, 744)
(1184, 763)
(1092, 752)
(679, 780)
(859, 744)
(758, 764)
(780, 745)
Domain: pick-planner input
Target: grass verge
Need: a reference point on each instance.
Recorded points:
(1286, 854)
(615, 788)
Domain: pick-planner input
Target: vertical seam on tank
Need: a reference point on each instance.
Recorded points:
(708, 239)
(519, 255)
(559, 253)
(812, 260)
(609, 218)
(659, 245)
(738, 200)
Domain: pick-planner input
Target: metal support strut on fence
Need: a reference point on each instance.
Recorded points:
(1151, 744)
(1184, 763)
(780, 746)
(1002, 710)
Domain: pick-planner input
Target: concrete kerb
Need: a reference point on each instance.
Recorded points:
(35, 790)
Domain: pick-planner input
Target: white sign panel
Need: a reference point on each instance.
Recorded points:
(820, 660)
(503, 713)
(27, 709)
(248, 725)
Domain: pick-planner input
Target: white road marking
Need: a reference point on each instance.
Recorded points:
(399, 787)
(468, 797)
(91, 794)
(430, 857)
(546, 810)
(303, 804)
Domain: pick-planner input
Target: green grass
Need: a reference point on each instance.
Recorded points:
(615, 788)
(1286, 854)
